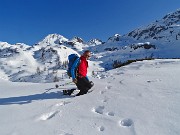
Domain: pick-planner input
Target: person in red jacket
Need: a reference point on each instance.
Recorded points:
(82, 82)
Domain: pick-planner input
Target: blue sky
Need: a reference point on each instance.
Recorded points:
(29, 21)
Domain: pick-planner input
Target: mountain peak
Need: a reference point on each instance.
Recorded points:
(53, 39)
(94, 42)
(77, 39)
(115, 37)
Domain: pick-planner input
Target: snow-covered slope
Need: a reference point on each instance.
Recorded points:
(138, 99)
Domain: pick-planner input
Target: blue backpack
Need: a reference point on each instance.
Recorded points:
(72, 58)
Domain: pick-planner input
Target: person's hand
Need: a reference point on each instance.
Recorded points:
(75, 80)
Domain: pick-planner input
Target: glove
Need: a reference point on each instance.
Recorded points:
(75, 80)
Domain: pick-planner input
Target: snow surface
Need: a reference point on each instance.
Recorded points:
(139, 99)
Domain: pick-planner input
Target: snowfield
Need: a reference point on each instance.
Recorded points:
(142, 98)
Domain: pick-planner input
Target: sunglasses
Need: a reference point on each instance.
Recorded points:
(88, 56)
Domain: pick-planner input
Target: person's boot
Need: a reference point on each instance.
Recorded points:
(92, 84)
(68, 92)
(71, 91)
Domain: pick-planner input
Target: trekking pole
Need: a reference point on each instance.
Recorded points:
(56, 86)
(62, 84)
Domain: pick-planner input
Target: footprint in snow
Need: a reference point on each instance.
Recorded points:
(101, 128)
(121, 82)
(62, 103)
(47, 116)
(119, 73)
(61, 132)
(108, 87)
(102, 92)
(149, 81)
(98, 109)
(104, 100)
(126, 123)
(66, 134)
(110, 113)
(156, 80)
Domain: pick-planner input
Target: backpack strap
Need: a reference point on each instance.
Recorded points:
(74, 68)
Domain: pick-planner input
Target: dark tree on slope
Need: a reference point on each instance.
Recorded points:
(38, 71)
(117, 63)
(56, 79)
(65, 64)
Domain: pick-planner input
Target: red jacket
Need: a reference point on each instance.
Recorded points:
(82, 68)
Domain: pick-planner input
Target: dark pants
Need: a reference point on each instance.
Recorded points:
(83, 84)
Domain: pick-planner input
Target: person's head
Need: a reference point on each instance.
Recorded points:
(87, 54)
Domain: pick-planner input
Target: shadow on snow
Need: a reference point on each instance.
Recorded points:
(28, 99)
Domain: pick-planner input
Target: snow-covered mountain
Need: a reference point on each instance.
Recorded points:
(160, 39)
(20, 62)
(47, 59)
(166, 30)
